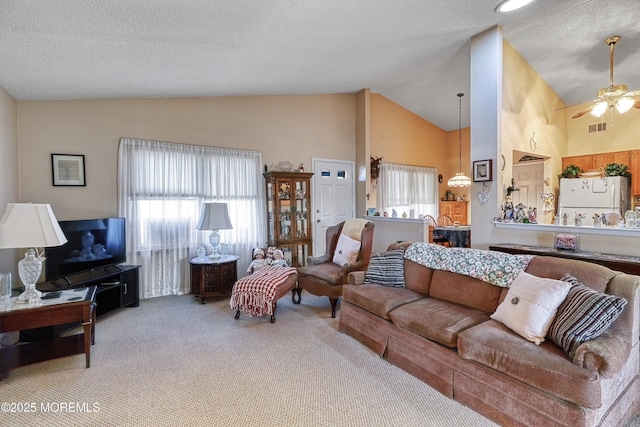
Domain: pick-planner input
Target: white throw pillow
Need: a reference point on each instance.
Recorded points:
(346, 250)
(531, 305)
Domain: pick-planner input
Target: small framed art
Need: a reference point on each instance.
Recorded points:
(565, 242)
(483, 170)
(68, 170)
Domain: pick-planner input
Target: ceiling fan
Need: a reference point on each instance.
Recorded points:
(612, 96)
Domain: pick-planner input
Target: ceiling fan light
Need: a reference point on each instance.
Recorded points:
(624, 104)
(599, 109)
(511, 5)
(459, 180)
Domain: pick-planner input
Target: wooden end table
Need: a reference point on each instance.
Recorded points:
(73, 306)
(213, 277)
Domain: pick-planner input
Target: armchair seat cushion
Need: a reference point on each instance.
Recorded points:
(329, 272)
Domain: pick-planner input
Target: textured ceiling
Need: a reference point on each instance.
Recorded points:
(415, 52)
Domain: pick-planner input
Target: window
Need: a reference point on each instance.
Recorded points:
(403, 187)
(161, 190)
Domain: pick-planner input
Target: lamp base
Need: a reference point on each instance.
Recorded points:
(31, 295)
(214, 240)
(29, 269)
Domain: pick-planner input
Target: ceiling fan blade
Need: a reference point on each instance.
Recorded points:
(573, 105)
(636, 104)
(583, 112)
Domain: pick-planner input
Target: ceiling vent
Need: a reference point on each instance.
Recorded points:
(600, 127)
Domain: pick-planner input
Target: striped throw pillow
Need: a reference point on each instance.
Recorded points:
(386, 268)
(583, 316)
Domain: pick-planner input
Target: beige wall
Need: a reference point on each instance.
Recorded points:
(292, 128)
(9, 178)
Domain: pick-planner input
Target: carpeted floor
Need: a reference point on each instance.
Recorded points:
(175, 362)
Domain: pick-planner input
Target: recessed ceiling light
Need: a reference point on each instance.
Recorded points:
(511, 5)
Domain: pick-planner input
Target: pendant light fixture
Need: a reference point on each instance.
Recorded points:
(459, 179)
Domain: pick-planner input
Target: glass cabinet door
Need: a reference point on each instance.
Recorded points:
(301, 209)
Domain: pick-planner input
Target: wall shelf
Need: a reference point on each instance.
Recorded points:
(604, 231)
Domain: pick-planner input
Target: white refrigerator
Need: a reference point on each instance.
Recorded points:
(591, 196)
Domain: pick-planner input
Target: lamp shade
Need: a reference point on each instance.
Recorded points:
(29, 225)
(214, 216)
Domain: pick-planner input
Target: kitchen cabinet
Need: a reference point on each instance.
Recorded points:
(457, 210)
(634, 168)
(595, 161)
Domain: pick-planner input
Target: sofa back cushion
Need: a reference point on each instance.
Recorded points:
(595, 276)
(417, 277)
(464, 290)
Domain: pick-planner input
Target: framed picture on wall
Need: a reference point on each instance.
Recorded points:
(483, 170)
(68, 170)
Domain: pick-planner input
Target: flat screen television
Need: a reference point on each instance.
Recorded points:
(91, 243)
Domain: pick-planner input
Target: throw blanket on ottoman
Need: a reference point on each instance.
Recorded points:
(253, 295)
(497, 268)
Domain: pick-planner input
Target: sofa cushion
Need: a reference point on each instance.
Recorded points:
(464, 290)
(543, 366)
(378, 300)
(417, 277)
(583, 316)
(593, 275)
(328, 272)
(530, 305)
(386, 268)
(437, 320)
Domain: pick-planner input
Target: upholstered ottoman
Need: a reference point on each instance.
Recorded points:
(258, 293)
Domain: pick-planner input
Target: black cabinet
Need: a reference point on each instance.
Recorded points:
(117, 286)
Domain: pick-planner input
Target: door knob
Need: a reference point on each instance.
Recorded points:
(317, 220)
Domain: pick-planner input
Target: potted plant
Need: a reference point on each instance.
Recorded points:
(571, 171)
(617, 169)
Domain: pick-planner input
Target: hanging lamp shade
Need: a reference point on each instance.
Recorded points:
(459, 179)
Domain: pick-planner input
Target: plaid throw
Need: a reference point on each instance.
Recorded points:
(253, 295)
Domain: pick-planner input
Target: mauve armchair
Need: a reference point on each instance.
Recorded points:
(322, 277)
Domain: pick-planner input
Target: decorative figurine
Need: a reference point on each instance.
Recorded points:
(278, 259)
(258, 262)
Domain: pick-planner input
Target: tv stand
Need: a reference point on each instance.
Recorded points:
(117, 286)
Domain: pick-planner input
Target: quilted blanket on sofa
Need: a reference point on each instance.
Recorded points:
(497, 268)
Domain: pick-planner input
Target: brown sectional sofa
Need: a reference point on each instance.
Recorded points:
(438, 328)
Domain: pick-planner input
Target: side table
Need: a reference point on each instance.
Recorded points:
(213, 277)
(72, 306)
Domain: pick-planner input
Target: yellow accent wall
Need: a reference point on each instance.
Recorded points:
(528, 105)
(400, 136)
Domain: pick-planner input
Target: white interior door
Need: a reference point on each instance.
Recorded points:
(333, 197)
(530, 180)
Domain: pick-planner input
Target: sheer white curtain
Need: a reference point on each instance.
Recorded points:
(161, 190)
(404, 187)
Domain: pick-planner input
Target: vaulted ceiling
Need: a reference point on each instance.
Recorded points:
(414, 52)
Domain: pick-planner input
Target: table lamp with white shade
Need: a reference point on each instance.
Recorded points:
(30, 225)
(214, 217)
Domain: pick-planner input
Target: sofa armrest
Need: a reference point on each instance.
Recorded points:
(318, 259)
(606, 354)
(356, 277)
